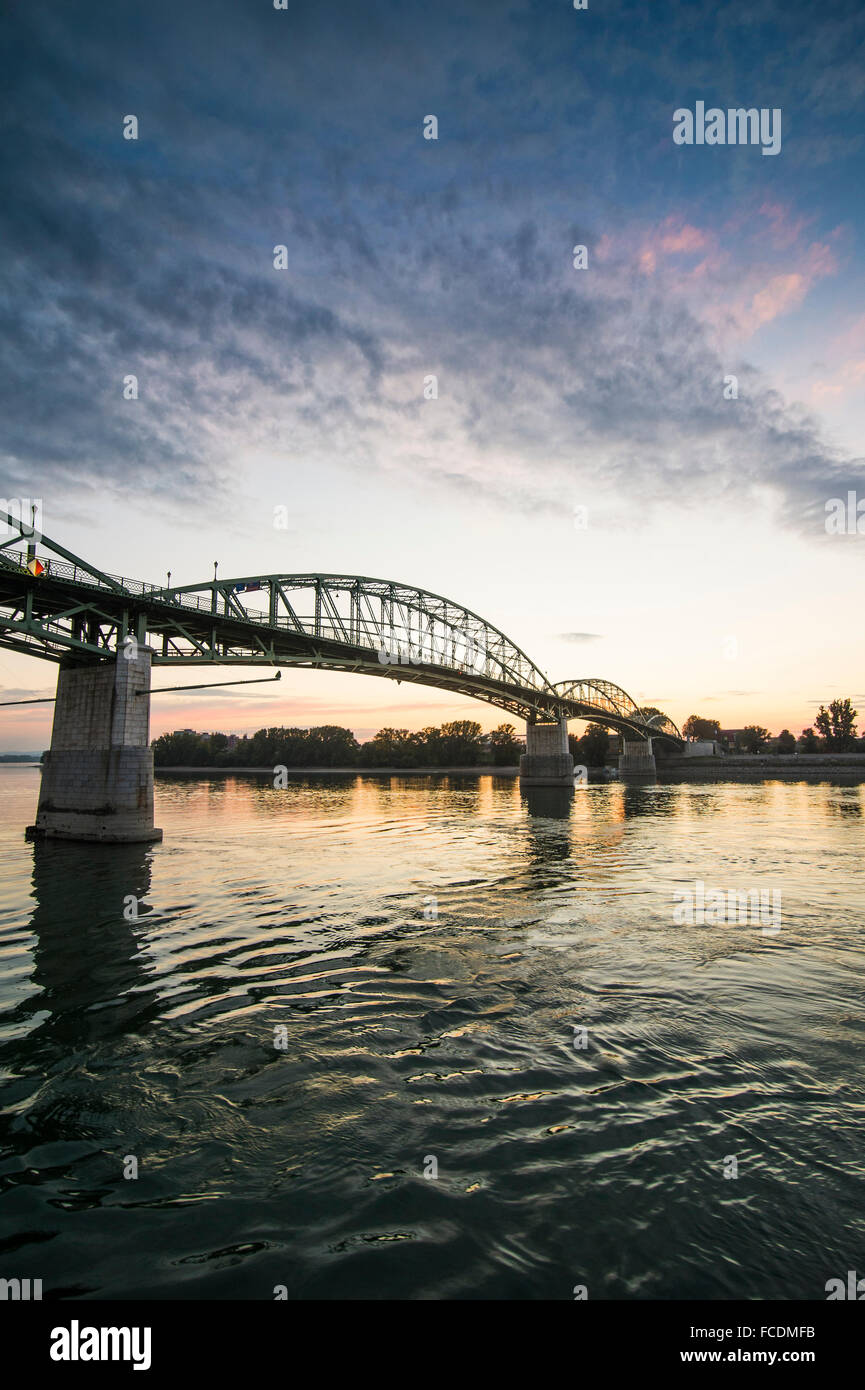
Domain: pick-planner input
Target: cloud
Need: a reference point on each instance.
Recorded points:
(24, 693)
(406, 258)
(579, 636)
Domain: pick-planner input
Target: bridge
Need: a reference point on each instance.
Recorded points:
(107, 632)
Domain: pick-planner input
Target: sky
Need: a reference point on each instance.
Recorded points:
(587, 477)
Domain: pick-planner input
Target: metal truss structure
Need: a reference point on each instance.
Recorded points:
(59, 607)
(613, 700)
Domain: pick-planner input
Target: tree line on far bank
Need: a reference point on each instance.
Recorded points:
(458, 744)
(834, 731)
(464, 744)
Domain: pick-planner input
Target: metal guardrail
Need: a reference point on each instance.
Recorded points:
(320, 626)
(598, 695)
(135, 588)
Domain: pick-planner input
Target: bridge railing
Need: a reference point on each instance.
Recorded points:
(500, 660)
(62, 569)
(136, 588)
(319, 625)
(312, 625)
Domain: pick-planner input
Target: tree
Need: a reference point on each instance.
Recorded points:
(844, 724)
(838, 726)
(461, 743)
(184, 748)
(650, 712)
(824, 725)
(697, 727)
(754, 737)
(808, 742)
(592, 750)
(505, 745)
(391, 748)
(218, 747)
(428, 743)
(330, 746)
(785, 742)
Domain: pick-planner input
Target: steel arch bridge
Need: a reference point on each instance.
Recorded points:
(56, 606)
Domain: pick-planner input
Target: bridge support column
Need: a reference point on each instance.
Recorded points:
(97, 779)
(637, 758)
(547, 761)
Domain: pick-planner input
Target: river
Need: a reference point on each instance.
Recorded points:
(328, 1040)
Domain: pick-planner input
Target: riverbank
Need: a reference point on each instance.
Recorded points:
(773, 760)
(735, 767)
(731, 767)
(477, 771)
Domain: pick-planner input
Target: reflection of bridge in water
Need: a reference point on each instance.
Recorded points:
(107, 632)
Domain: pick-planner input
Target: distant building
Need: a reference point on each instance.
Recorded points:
(731, 738)
(703, 748)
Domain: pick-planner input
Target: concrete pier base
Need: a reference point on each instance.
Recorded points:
(637, 758)
(97, 780)
(547, 761)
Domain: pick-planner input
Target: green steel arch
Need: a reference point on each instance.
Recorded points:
(612, 700)
(57, 606)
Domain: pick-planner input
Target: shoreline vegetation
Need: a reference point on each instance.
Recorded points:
(462, 746)
(461, 743)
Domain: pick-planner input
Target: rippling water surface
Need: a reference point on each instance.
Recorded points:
(449, 1038)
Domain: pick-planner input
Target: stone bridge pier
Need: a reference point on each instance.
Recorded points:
(547, 761)
(637, 758)
(97, 779)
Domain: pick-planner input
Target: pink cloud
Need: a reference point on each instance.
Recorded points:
(784, 230)
(685, 239)
(759, 300)
(749, 271)
(848, 377)
(673, 238)
(604, 249)
(852, 339)
(783, 292)
(822, 390)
